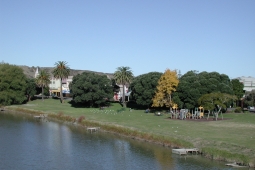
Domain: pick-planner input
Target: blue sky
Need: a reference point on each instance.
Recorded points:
(146, 35)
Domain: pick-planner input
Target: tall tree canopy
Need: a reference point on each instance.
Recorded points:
(143, 88)
(122, 76)
(237, 88)
(193, 85)
(167, 84)
(249, 98)
(61, 71)
(12, 84)
(43, 80)
(31, 88)
(90, 89)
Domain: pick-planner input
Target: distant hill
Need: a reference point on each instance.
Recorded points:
(30, 71)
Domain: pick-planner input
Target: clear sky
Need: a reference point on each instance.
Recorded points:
(146, 35)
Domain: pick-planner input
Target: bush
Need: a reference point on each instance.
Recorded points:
(80, 119)
(238, 110)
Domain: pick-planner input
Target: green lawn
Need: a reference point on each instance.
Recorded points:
(236, 134)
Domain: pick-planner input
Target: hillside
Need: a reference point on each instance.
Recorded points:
(30, 71)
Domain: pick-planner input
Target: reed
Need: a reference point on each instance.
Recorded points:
(80, 119)
(226, 156)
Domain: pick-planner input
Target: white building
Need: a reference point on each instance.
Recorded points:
(55, 84)
(65, 84)
(118, 95)
(248, 82)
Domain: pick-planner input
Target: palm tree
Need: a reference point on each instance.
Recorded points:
(61, 71)
(43, 80)
(122, 76)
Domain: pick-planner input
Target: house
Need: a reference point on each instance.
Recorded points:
(248, 82)
(118, 92)
(65, 86)
(249, 85)
(55, 84)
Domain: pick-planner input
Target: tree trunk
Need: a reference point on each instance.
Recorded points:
(217, 114)
(61, 95)
(42, 93)
(208, 114)
(123, 95)
(170, 103)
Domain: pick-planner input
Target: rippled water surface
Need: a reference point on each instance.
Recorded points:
(26, 143)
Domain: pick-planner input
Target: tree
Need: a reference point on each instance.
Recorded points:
(122, 76)
(30, 88)
(46, 90)
(186, 93)
(237, 88)
(177, 100)
(193, 85)
(167, 84)
(249, 98)
(43, 80)
(217, 101)
(143, 88)
(61, 71)
(12, 84)
(90, 89)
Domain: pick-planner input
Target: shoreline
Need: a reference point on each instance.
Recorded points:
(125, 132)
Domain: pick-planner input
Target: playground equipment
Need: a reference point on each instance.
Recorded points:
(174, 113)
(189, 114)
(201, 112)
(198, 113)
(183, 113)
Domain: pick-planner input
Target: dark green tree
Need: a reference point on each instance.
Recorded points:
(46, 90)
(249, 99)
(186, 93)
(177, 100)
(31, 88)
(237, 88)
(143, 88)
(61, 71)
(12, 84)
(43, 80)
(123, 76)
(90, 89)
(193, 85)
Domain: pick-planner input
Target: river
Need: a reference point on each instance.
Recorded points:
(29, 144)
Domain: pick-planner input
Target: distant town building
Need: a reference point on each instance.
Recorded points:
(248, 82)
(55, 84)
(65, 84)
(36, 72)
(119, 93)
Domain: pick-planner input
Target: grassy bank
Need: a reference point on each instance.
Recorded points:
(232, 139)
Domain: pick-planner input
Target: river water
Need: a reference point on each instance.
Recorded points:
(29, 144)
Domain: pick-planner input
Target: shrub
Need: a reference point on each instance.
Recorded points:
(60, 114)
(80, 119)
(238, 110)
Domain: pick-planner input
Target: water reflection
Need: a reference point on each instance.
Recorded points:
(29, 144)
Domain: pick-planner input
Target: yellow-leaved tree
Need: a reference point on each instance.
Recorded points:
(167, 84)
